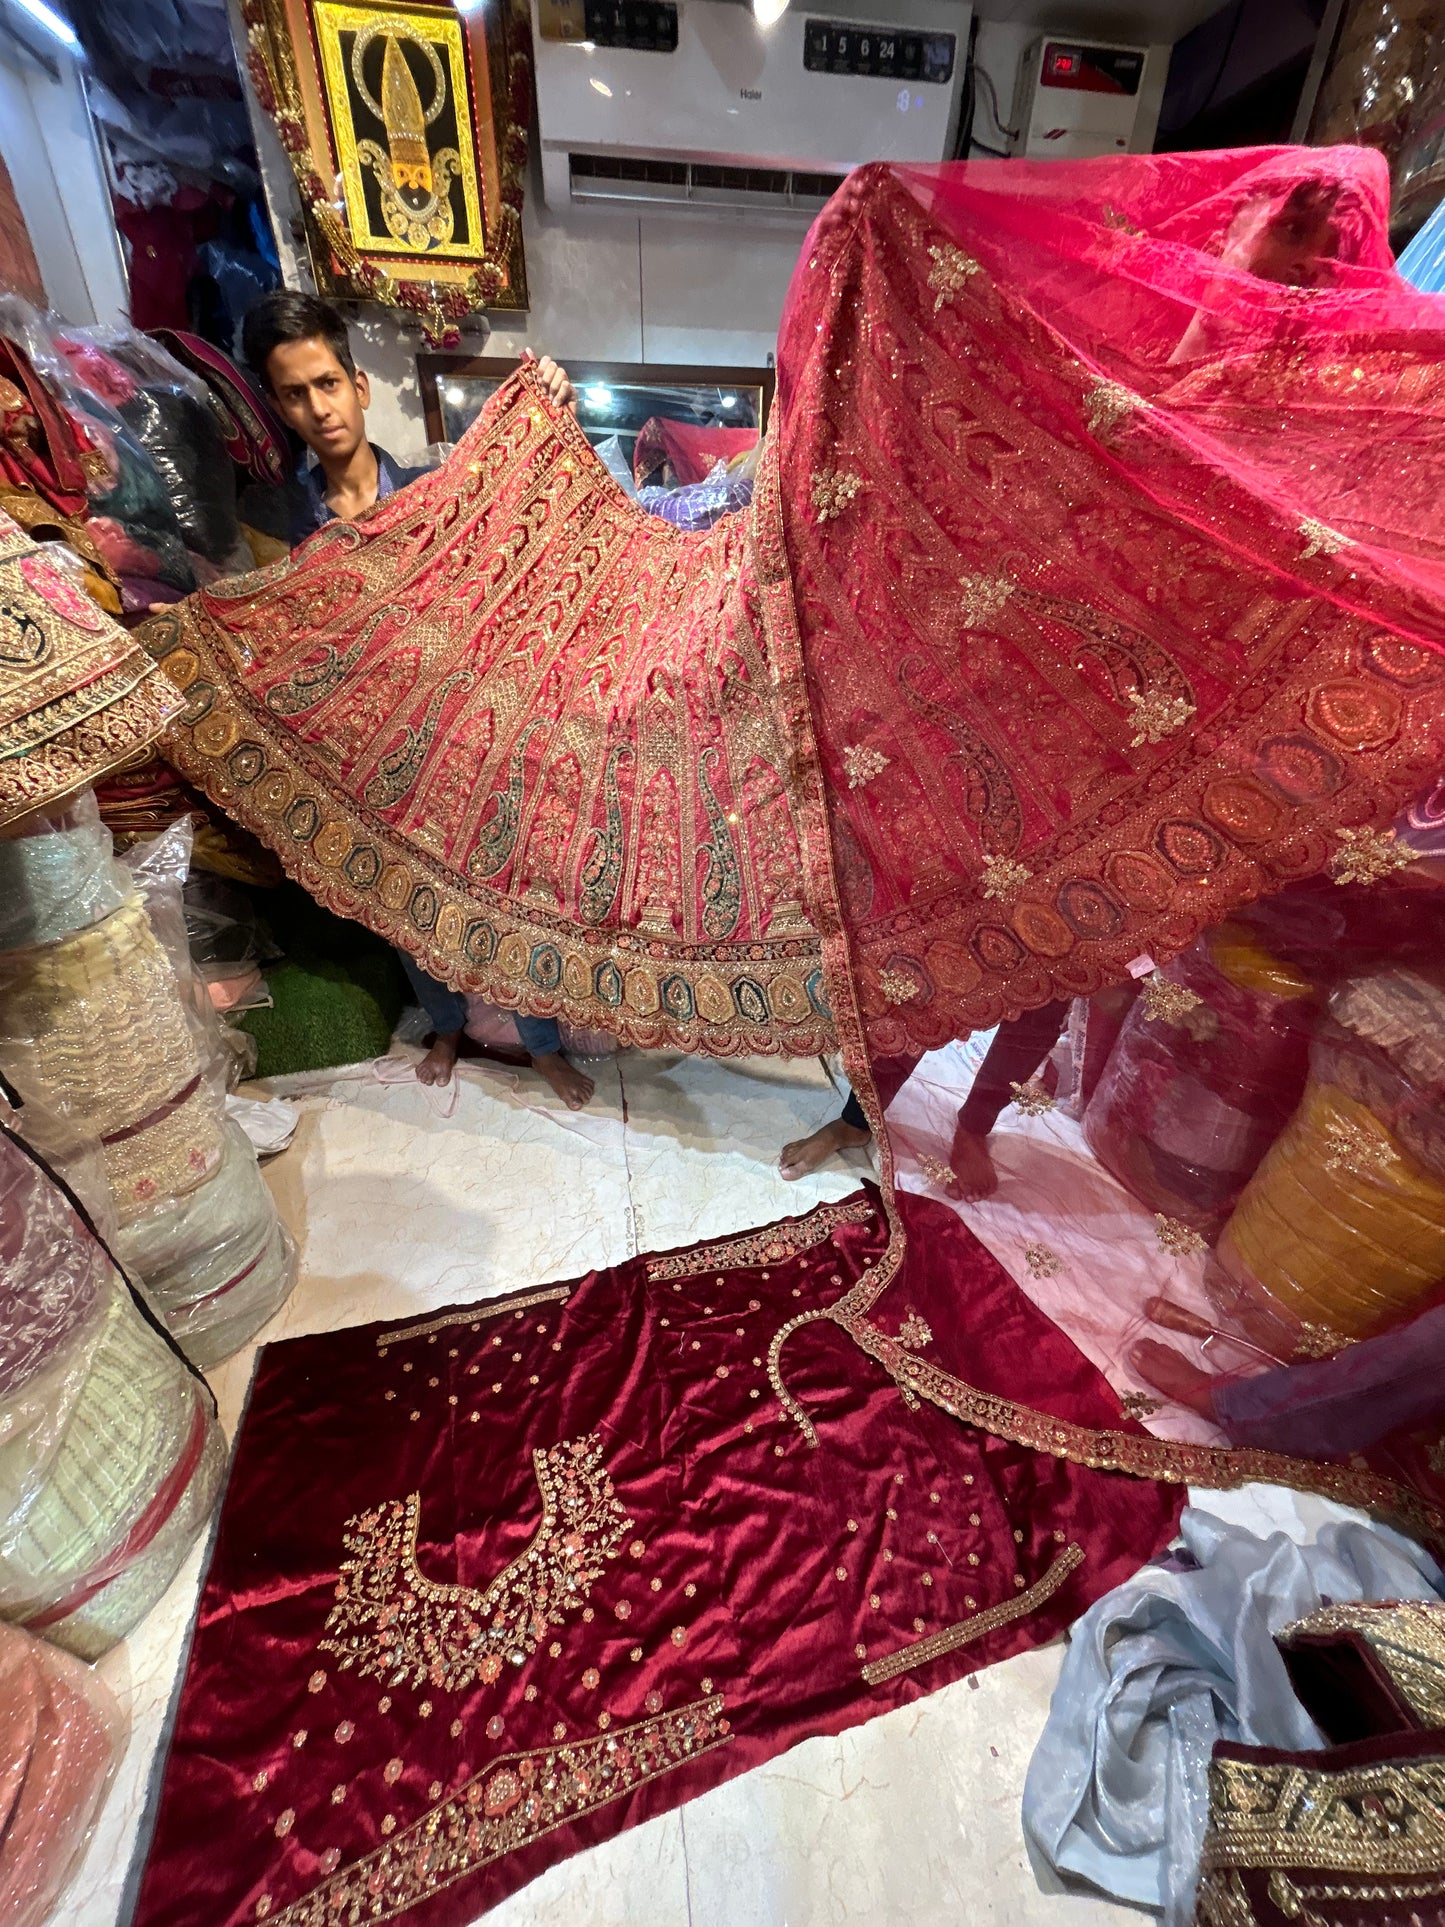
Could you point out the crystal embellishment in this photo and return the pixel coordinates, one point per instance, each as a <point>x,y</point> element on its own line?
<point>1369,855</point>
<point>862,764</point>
<point>952,270</point>
<point>833,490</point>
<point>1157,716</point>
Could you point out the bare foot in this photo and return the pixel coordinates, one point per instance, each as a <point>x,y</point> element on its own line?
<point>440,1061</point>
<point>574,1087</point>
<point>806,1154</point>
<point>972,1167</point>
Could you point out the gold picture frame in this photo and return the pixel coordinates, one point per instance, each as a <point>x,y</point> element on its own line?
<point>406,125</point>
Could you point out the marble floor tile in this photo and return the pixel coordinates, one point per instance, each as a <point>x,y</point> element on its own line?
<point>401,1202</point>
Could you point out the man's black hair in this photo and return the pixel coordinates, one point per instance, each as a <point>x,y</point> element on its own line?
<point>285,316</point>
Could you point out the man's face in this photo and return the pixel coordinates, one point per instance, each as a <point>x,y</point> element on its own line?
<point>317,398</point>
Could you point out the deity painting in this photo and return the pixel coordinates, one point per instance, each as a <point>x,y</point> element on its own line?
<point>397,90</point>
<point>406,127</point>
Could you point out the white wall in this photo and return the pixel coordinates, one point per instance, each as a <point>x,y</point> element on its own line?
<point>50,148</point>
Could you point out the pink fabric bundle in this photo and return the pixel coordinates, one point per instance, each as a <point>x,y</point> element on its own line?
<point>1208,1066</point>
<point>61,1736</point>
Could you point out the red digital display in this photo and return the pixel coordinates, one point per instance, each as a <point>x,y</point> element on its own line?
<point>1063,63</point>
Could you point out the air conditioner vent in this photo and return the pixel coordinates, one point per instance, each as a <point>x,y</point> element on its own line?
<point>618,178</point>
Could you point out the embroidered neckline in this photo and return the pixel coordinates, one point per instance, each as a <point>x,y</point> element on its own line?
<point>391,1622</point>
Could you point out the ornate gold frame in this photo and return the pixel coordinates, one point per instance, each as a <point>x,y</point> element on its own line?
<point>298,71</point>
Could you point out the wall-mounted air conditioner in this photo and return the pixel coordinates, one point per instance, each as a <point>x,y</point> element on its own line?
<point>690,105</point>
<point>1079,98</point>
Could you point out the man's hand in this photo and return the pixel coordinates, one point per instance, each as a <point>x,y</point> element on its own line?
<point>555,380</point>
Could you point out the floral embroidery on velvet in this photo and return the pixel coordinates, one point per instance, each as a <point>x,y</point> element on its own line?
<point>767,1247</point>
<point>391,1622</point>
<point>513,1800</point>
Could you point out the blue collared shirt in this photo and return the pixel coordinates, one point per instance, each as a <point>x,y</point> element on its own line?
<point>309,508</point>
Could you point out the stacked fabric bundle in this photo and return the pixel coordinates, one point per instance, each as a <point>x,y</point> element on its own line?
<point>97,1036</point>
<point>110,1455</point>
<point>61,1735</point>
<point>1341,1232</point>
<point>104,1035</point>
<point>1208,1066</point>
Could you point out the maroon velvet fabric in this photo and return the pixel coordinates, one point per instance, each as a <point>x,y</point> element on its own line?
<point>729,1614</point>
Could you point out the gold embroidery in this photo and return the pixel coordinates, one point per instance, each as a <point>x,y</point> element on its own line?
<point>391,1622</point>
<point>1180,1240</point>
<point>977,1625</point>
<point>914,1333</point>
<point>1168,1001</point>
<point>1139,1454</point>
<point>1002,876</point>
<point>833,490</point>
<point>1369,855</point>
<point>473,1314</point>
<point>1380,1820</point>
<point>514,1800</point>
<point>951,270</point>
<point>1042,1262</point>
<point>1355,1147</point>
<point>1407,1637</point>
<point>936,1171</point>
<point>1139,1405</point>
<point>983,597</point>
<point>897,986</point>
<point>1157,716</point>
<point>1320,539</point>
<point>1106,405</point>
<point>770,1246</point>
<point>1031,1098</point>
<point>862,763</point>
<point>1319,1341</point>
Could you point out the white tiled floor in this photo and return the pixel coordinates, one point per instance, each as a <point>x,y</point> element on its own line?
<point>910,1819</point>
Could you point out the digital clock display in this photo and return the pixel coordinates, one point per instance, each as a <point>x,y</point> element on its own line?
<point>644,26</point>
<point>843,47</point>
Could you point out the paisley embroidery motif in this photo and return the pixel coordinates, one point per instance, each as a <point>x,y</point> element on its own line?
<point>400,767</point>
<point>497,839</point>
<point>391,1622</point>
<point>313,683</point>
<point>722,886</point>
<point>602,871</point>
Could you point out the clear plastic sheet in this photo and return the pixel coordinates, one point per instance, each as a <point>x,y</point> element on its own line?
<point>1208,1065</point>
<point>129,517</point>
<point>217,1263</point>
<point>110,1454</point>
<point>61,1737</point>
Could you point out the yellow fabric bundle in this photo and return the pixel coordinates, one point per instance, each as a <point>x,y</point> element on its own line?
<point>1339,1227</point>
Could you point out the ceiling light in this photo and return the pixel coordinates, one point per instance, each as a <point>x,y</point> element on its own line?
<point>51,21</point>
<point>600,87</point>
<point>768,13</point>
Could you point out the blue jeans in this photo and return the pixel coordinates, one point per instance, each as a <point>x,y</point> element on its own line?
<point>447,1010</point>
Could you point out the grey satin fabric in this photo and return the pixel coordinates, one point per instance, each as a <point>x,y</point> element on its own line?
<point>1164,1666</point>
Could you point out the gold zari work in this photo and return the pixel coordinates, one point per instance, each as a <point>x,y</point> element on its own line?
<point>391,1622</point>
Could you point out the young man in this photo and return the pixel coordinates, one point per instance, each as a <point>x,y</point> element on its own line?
<point>299,347</point>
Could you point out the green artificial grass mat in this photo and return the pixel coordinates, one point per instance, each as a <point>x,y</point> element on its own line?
<point>338,989</point>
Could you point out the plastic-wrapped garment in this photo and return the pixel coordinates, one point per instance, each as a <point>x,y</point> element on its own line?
<point>216,1264</point>
<point>1208,1066</point>
<point>1423,262</point>
<point>255,439</point>
<point>172,413</point>
<point>701,504</point>
<point>129,513</point>
<point>610,453</point>
<point>59,875</point>
<point>110,1455</point>
<point>1384,50</point>
<point>1166,1664</point>
<point>1342,1230</point>
<point>61,1737</point>
<point>94,1030</point>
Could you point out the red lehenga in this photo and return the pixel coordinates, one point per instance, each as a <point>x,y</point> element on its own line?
<point>1092,588</point>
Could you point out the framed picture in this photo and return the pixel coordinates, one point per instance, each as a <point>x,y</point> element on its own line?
<point>406,126</point>
<point>614,398</point>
